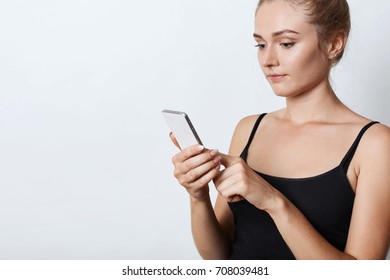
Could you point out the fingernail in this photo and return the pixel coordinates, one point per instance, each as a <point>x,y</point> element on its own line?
<point>199,148</point>
<point>213,152</point>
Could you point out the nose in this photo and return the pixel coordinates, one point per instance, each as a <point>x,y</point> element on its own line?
<point>268,57</point>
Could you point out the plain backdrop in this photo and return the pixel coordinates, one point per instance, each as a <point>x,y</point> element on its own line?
<point>85,157</point>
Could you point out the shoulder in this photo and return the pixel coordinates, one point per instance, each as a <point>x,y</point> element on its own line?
<point>379,132</point>
<point>246,124</point>
<point>376,141</point>
<point>373,153</point>
<point>241,134</point>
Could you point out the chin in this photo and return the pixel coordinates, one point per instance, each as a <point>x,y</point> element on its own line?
<point>284,93</point>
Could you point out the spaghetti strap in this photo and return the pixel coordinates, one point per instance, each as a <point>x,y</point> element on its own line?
<point>348,157</point>
<point>244,153</point>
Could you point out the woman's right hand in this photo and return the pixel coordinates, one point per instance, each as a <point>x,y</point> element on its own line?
<point>195,167</point>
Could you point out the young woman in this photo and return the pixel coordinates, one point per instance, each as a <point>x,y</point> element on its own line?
<point>310,181</point>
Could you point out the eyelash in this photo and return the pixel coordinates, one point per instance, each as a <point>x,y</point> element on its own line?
<point>288,45</point>
<point>260,46</point>
<point>284,45</point>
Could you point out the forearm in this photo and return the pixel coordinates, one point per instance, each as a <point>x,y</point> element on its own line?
<point>211,241</point>
<point>301,237</point>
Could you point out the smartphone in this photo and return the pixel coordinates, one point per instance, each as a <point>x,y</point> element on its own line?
<point>182,128</point>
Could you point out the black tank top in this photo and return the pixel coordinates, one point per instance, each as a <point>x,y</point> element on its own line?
<point>326,201</point>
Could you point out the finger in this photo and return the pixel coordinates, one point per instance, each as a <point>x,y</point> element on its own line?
<point>200,175</point>
<point>218,179</point>
<point>235,198</point>
<point>208,176</point>
<point>188,153</point>
<point>229,183</point>
<point>200,159</point>
<point>230,195</point>
<point>227,160</point>
<point>226,182</point>
<point>230,189</point>
<point>224,174</point>
<point>173,138</point>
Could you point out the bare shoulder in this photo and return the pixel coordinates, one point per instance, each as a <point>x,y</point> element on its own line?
<point>373,154</point>
<point>376,141</point>
<point>246,123</point>
<point>379,131</point>
<point>241,134</point>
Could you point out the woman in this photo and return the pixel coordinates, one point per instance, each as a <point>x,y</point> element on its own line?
<point>310,181</point>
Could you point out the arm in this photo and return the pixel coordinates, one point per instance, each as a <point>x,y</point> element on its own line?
<point>212,229</point>
<point>210,237</point>
<point>370,225</point>
<point>195,167</point>
<point>369,233</point>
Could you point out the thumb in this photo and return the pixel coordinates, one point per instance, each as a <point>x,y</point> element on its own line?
<point>173,138</point>
<point>227,160</point>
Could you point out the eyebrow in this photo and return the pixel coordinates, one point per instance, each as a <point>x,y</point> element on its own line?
<point>276,34</point>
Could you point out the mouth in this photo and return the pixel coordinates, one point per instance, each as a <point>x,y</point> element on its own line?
<point>276,77</point>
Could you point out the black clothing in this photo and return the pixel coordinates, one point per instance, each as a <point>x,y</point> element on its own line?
<point>326,200</point>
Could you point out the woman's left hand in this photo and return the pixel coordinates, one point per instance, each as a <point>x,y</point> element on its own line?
<point>238,181</point>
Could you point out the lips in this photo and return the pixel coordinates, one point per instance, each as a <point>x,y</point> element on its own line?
<point>276,77</point>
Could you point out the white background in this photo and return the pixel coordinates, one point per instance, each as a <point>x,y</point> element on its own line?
<point>85,158</point>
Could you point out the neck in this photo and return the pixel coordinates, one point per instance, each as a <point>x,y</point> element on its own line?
<point>317,105</point>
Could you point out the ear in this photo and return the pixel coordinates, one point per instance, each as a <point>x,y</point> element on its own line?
<point>337,44</point>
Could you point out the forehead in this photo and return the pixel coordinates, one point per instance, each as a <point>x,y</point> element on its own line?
<point>273,16</point>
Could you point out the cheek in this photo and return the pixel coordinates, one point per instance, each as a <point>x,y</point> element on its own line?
<point>307,62</point>
<point>260,59</point>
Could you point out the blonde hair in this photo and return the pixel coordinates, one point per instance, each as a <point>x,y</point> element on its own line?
<point>329,16</point>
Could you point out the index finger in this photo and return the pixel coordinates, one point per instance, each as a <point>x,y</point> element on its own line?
<point>188,153</point>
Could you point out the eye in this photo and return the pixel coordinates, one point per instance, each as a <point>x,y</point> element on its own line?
<point>287,45</point>
<point>260,46</point>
